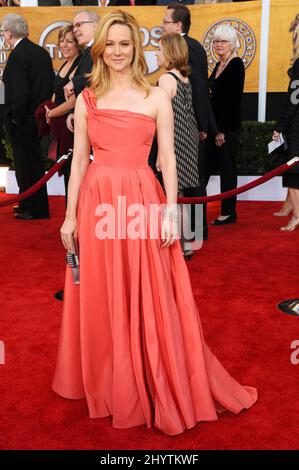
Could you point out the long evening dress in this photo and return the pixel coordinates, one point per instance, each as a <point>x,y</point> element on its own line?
<point>131,341</point>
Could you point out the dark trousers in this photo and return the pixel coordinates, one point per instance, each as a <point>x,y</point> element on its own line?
<point>29,167</point>
<point>223,159</point>
<point>203,186</point>
<point>198,191</point>
<point>66,175</point>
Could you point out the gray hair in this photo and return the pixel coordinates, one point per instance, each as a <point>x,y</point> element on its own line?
<point>227,32</point>
<point>92,15</point>
<point>16,25</point>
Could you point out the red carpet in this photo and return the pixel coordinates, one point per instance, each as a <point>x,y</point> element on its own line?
<point>239,276</point>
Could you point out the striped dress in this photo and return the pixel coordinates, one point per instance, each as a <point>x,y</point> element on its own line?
<point>186,136</point>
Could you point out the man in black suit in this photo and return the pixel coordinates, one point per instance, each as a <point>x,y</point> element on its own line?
<point>177,19</point>
<point>84,25</point>
<point>28,79</point>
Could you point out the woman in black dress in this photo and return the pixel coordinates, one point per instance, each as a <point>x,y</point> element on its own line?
<point>56,116</point>
<point>288,124</point>
<point>226,85</point>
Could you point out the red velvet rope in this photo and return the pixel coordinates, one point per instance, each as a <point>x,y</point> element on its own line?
<point>36,185</point>
<point>217,197</point>
<point>185,200</point>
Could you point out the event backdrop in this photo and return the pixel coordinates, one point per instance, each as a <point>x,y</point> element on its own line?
<point>282,15</point>
<point>245,16</point>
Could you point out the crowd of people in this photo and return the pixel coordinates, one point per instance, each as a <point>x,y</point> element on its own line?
<point>103,3</point>
<point>207,113</point>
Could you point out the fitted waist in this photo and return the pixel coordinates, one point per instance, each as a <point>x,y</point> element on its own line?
<point>118,160</point>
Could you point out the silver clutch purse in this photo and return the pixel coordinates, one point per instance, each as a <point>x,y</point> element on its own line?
<point>72,260</point>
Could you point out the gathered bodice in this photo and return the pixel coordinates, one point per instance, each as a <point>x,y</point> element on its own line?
<point>119,138</point>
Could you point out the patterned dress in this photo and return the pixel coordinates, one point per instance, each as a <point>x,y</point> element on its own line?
<point>186,136</point>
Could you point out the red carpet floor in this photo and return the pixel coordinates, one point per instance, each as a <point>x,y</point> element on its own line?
<point>239,276</point>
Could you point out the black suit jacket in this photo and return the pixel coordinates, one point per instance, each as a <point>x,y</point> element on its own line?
<point>85,66</point>
<point>113,3</point>
<point>200,86</point>
<point>28,79</point>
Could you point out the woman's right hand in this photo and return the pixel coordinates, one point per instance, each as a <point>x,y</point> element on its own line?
<point>68,231</point>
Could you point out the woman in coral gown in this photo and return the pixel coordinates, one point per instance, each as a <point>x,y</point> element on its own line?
<point>131,341</point>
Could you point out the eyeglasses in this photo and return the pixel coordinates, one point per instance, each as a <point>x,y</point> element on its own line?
<point>166,22</point>
<point>220,41</point>
<point>79,23</point>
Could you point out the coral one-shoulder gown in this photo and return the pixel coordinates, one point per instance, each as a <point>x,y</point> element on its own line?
<point>131,341</point>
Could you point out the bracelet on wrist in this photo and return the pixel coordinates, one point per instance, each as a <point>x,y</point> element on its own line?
<point>172,212</point>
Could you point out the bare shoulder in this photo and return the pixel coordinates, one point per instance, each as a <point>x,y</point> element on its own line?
<point>159,96</point>
<point>80,113</point>
<point>80,103</point>
<point>166,78</point>
<point>162,103</point>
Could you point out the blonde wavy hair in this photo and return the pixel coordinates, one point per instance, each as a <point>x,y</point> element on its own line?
<point>99,79</point>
